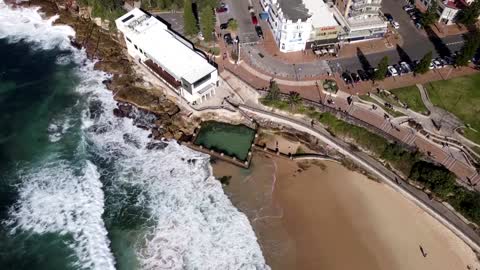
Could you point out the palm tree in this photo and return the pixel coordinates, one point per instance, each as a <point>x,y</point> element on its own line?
<point>294,99</point>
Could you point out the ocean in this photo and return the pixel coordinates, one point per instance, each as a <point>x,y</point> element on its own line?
<point>82,189</point>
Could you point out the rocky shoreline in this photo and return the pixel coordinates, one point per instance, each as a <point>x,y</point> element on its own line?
<point>165,119</point>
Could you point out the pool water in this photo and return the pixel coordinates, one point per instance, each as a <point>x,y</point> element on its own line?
<point>232,140</point>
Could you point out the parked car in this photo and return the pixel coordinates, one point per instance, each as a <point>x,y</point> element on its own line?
<point>437,63</point>
<point>259,31</point>
<point>432,66</point>
<point>224,25</point>
<point>398,68</point>
<point>346,78</point>
<point>395,24</point>
<point>363,75</point>
<point>408,7</point>
<point>355,77</point>
<point>405,67</point>
<point>254,20</point>
<point>388,16</point>
<point>392,71</point>
<point>418,25</point>
<point>228,38</point>
<point>221,9</point>
<point>449,60</point>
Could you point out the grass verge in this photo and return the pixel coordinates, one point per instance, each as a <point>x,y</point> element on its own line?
<point>410,95</point>
<point>461,97</point>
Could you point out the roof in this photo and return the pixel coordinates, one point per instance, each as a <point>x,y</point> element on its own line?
<point>456,4</point>
<point>294,10</point>
<point>321,15</point>
<point>163,46</point>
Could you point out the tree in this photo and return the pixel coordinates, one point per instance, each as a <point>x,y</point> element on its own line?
<point>207,23</point>
<point>429,17</point>
<point>294,99</point>
<point>233,25</point>
<point>424,64</point>
<point>189,22</point>
<point>381,71</point>
<point>469,15</point>
<point>469,49</point>
<point>273,92</point>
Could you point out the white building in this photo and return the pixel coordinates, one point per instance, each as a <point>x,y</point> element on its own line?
<point>361,19</point>
<point>169,56</point>
<point>290,23</point>
<point>325,28</point>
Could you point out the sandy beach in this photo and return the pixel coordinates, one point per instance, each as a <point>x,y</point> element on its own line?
<point>319,215</point>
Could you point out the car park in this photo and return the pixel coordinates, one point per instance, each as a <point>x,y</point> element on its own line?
<point>395,24</point>
<point>392,71</point>
<point>259,31</point>
<point>228,38</point>
<point>363,75</point>
<point>355,77</point>
<point>346,78</point>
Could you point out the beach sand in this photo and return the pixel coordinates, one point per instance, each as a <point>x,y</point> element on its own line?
<point>327,217</point>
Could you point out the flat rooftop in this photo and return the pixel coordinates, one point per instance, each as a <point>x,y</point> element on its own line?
<point>321,15</point>
<point>163,46</point>
<point>294,10</point>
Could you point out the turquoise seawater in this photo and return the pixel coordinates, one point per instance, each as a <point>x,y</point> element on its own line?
<point>82,189</point>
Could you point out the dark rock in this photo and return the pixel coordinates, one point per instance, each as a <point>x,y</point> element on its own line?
<point>156,145</point>
<point>118,113</point>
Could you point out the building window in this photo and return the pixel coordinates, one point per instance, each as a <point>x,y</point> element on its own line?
<point>135,46</point>
<point>141,51</point>
<point>128,39</point>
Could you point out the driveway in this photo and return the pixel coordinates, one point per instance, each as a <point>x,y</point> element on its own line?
<point>238,9</point>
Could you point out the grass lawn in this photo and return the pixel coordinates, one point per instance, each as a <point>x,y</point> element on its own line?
<point>390,111</point>
<point>460,96</point>
<point>410,95</point>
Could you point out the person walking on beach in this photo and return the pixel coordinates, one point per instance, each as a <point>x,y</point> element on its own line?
<point>424,254</point>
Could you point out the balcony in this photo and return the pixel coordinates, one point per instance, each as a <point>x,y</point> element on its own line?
<point>160,72</point>
<point>364,4</point>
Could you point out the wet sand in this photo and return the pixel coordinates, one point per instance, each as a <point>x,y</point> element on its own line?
<point>327,217</point>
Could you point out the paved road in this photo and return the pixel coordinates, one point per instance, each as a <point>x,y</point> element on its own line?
<point>434,208</point>
<point>238,9</point>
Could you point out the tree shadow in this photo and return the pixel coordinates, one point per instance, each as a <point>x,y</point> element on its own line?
<point>363,60</point>
<point>437,42</point>
<point>403,55</point>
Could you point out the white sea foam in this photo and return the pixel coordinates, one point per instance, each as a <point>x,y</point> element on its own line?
<point>196,226</point>
<point>58,196</point>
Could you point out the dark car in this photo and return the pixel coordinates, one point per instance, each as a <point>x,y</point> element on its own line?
<point>355,77</point>
<point>399,69</point>
<point>224,26</point>
<point>346,78</point>
<point>363,75</point>
<point>228,38</point>
<point>259,31</point>
<point>389,17</point>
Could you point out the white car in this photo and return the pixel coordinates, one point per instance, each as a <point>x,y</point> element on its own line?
<point>432,66</point>
<point>437,64</point>
<point>392,71</point>
<point>395,25</point>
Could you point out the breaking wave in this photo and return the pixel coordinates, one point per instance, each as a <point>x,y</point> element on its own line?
<point>190,222</point>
